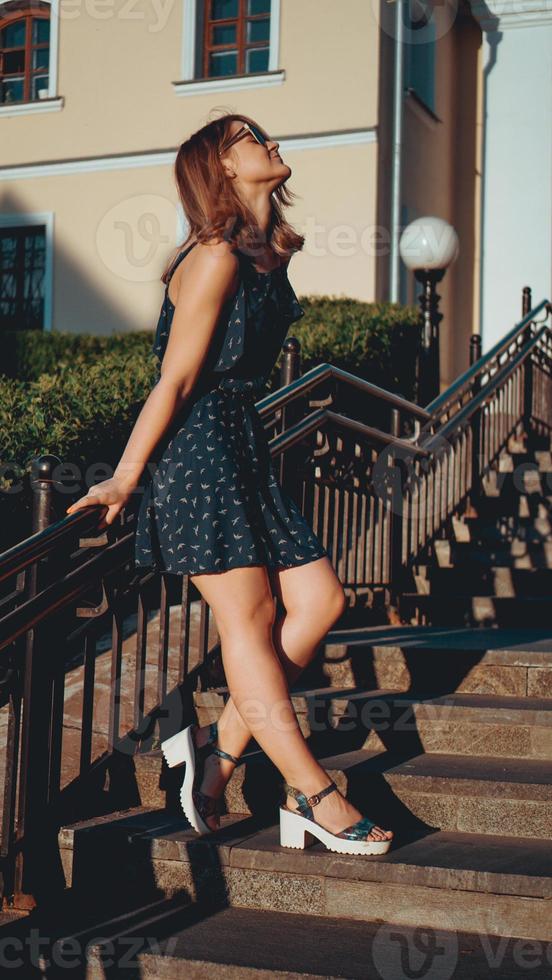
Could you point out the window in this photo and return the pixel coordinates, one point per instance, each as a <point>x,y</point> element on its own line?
<point>24,51</point>
<point>419,49</point>
<point>229,45</point>
<point>22,277</point>
<point>233,37</point>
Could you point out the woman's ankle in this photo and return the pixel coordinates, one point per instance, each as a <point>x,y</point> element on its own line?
<point>311,785</point>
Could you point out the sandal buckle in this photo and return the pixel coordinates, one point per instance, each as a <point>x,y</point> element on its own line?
<point>313,800</point>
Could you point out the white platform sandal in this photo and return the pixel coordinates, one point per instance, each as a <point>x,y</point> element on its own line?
<point>181,749</point>
<point>298,828</point>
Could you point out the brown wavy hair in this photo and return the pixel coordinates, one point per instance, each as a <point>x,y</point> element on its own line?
<point>212,207</point>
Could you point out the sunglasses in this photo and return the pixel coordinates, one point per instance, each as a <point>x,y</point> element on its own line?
<point>245,129</point>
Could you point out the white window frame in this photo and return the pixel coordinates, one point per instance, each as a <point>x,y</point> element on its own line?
<point>45,218</point>
<point>54,102</point>
<point>190,85</point>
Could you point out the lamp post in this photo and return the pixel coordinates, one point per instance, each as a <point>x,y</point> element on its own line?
<point>428,246</point>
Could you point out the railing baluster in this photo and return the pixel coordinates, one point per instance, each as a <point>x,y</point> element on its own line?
<point>163,646</point>
<point>185,614</point>
<point>88,700</point>
<point>115,679</point>
<point>140,660</point>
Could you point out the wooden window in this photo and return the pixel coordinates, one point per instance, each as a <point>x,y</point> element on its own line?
<point>24,51</point>
<point>236,37</point>
<point>22,277</point>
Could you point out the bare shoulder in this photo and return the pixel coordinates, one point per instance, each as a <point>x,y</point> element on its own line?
<point>210,267</point>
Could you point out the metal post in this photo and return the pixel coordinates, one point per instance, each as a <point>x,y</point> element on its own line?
<point>290,474</point>
<point>290,368</point>
<point>526,306</point>
<point>431,318</point>
<point>475,348</point>
<point>31,824</point>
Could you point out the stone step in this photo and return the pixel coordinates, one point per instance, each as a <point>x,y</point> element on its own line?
<point>516,506</point>
<point>442,791</point>
<point>200,943</point>
<point>342,720</point>
<point>516,458</point>
<point>433,661</point>
<point>474,610</point>
<point>530,530</point>
<point>542,458</point>
<point>500,580</point>
<point>516,554</point>
<point>490,885</point>
<point>526,480</point>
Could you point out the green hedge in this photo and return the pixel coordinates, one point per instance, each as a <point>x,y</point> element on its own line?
<point>26,354</point>
<point>78,396</point>
<point>376,341</point>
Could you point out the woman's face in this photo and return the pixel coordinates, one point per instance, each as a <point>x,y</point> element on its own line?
<point>254,163</point>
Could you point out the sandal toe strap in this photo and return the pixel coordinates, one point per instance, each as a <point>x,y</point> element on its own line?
<point>207,806</point>
<point>358,830</point>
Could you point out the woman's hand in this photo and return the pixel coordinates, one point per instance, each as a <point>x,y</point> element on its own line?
<point>114,492</point>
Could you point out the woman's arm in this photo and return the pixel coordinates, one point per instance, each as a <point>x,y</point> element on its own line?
<point>207,282</point>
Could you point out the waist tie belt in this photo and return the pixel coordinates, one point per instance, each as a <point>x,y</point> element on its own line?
<point>247,387</point>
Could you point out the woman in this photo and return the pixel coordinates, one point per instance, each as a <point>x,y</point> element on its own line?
<point>214,508</point>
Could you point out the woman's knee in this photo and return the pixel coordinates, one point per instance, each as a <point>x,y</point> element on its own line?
<point>325,607</point>
<point>253,613</point>
<point>333,603</point>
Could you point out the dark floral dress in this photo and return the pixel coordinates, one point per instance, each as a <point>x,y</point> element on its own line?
<point>211,499</point>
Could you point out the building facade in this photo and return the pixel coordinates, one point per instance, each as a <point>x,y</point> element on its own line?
<point>95,98</point>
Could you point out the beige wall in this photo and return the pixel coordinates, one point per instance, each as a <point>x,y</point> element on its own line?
<point>113,228</point>
<point>116,74</point>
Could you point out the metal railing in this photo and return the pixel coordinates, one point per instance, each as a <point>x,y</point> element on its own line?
<point>80,619</point>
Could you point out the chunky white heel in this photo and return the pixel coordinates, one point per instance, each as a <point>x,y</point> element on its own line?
<point>181,748</point>
<point>178,748</point>
<point>298,828</point>
<point>294,831</point>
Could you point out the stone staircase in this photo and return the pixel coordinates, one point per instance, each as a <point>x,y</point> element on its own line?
<point>440,729</point>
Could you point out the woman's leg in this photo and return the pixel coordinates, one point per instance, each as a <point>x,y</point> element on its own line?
<point>296,635</point>
<point>243,607</point>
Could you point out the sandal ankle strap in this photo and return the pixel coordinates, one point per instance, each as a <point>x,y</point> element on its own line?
<point>226,755</point>
<point>304,803</point>
<point>213,737</point>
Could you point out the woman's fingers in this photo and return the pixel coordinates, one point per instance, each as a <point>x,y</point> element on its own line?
<point>84,502</point>
<point>112,513</point>
<point>109,492</point>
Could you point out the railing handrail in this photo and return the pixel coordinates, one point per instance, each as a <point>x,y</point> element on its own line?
<point>464,379</point>
<point>61,593</point>
<point>321,416</point>
<point>321,372</point>
<point>476,400</point>
<point>45,542</point>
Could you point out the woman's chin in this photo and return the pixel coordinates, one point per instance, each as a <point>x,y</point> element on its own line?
<point>285,171</point>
